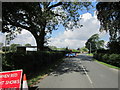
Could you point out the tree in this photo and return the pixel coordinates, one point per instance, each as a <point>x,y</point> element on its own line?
<point>109,17</point>
<point>40,18</point>
<point>114,47</point>
<point>27,44</point>
<point>94,43</point>
<point>84,49</point>
<point>108,13</point>
<point>13,47</point>
<point>53,47</point>
<point>1,45</point>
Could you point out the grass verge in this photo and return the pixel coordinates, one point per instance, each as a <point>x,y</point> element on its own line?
<point>42,74</point>
<point>90,54</point>
<point>111,66</point>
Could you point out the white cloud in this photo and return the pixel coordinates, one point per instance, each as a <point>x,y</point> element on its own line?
<point>24,38</point>
<point>2,38</point>
<point>72,39</point>
<point>78,37</point>
<point>86,16</point>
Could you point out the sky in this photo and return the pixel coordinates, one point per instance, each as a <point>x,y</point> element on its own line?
<point>71,39</point>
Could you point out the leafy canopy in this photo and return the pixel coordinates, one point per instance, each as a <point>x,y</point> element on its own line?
<point>108,13</point>
<point>94,43</point>
<point>109,16</point>
<point>40,18</point>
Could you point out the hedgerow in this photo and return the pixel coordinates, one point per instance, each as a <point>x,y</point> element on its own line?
<point>30,62</point>
<point>113,59</point>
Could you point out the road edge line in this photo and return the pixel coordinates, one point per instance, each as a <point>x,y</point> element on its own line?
<point>88,76</point>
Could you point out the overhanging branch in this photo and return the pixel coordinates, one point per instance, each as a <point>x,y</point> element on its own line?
<point>17,24</point>
<point>55,5</point>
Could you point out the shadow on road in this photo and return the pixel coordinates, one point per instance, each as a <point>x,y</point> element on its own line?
<point>71,65</point>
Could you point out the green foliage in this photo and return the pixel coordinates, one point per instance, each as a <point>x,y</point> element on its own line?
<point>74,50</point>
<point>13,47</point>
<point>53,47</point>
<point>113,59</point>
<point>105,56</point>
<point>108,13</point>
<point>1,45</point>
<point>109,17</point>
<point>114,47</point>
<point>83,49</point>
<point>61,49</point>
<point>30,62</point>
<point>90,54</point>
<point>102,50</point>
<point>40,18</point>
<point>108,65</point>
<point>94,43</point>
<point>7,48</point>
<point>27,44</point>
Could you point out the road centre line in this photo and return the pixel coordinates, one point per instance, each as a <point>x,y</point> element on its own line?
<point>87,76</point>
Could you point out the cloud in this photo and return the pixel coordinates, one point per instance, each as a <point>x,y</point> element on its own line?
<point>78,37</point>
<point>24,38</point>
<point>72,39</point>
<point>2,38</point>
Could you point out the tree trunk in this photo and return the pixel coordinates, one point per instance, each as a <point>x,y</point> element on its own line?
<point>40,39</point>
<point>40,43</point>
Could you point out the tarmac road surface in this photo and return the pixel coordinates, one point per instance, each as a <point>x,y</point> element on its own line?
<point>81,72</point>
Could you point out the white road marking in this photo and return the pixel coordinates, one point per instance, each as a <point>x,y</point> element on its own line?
<point>88,76</point>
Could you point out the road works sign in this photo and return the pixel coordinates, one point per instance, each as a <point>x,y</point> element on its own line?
<point>11,79</point>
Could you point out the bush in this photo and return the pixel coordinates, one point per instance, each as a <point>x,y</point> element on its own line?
<point>114,47</point>
<point>102,51</point>
<point>105,58</point>
<point>30,62</point>
<point>113,59</point>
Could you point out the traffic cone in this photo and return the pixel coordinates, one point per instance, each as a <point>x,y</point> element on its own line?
<point>25,85</point>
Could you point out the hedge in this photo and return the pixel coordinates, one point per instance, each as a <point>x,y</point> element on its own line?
<point>113,59</point>
<point>31,61</point>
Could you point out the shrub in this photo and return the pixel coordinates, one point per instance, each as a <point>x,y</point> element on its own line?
<point>113,59</point>
<point>105,58</point>
<point>31,61</point>
<point>102,51</point>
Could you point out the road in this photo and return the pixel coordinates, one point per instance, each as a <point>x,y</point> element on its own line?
<point>81,72</point>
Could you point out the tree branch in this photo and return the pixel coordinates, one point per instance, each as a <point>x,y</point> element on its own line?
<point>55,5</point>
<point>17,24</point>
<point>48,4</point>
